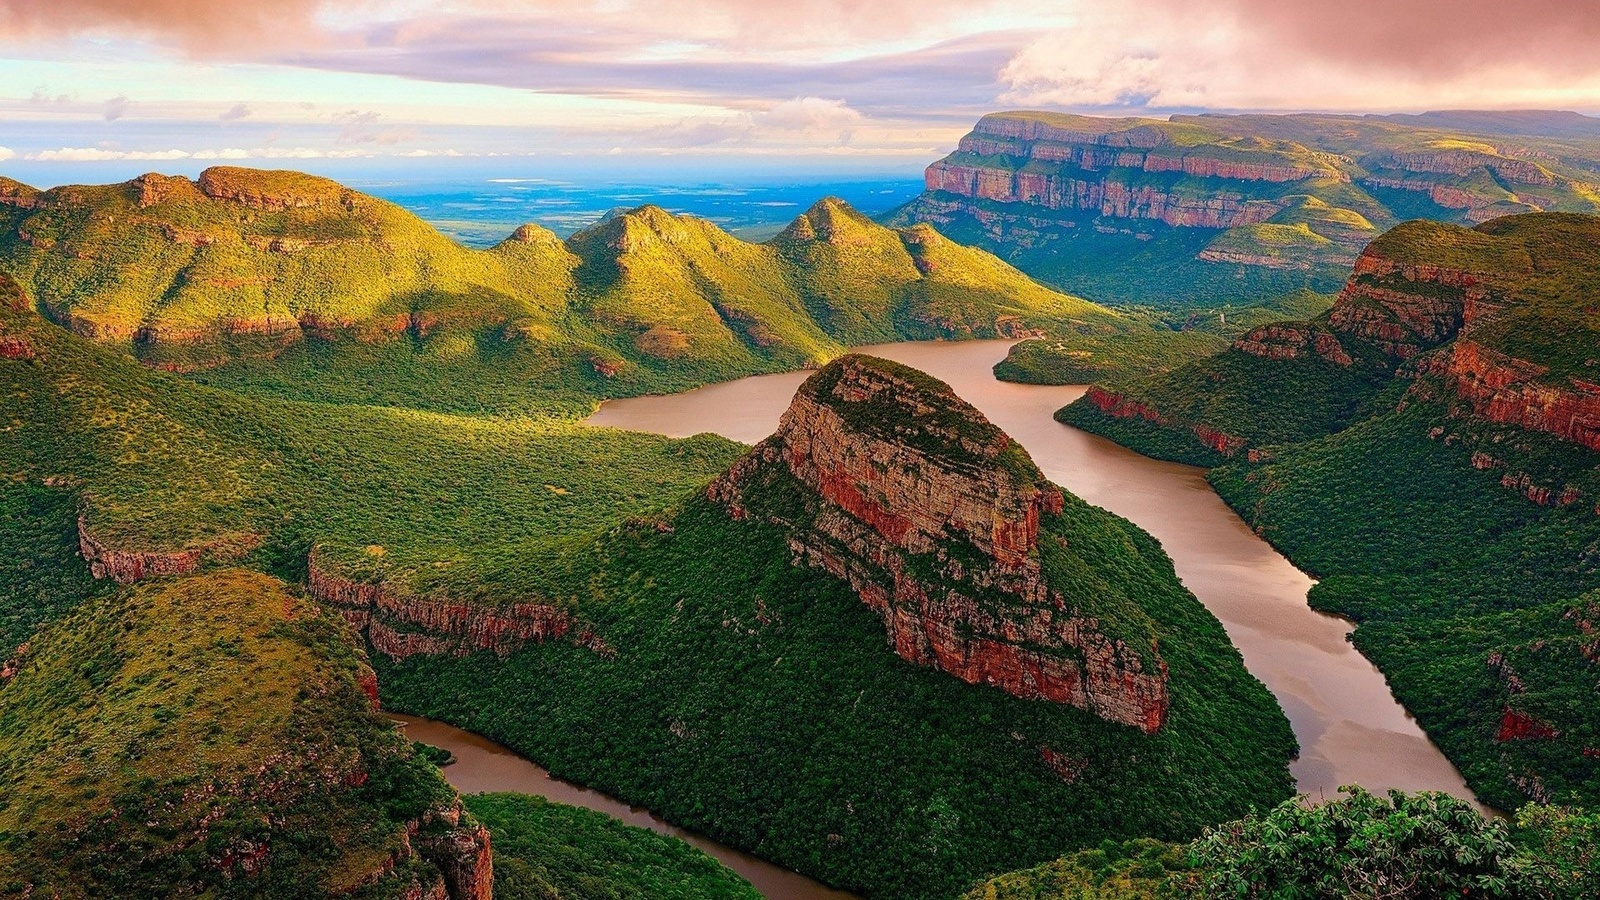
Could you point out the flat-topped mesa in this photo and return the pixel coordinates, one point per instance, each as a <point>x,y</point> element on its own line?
<point>934,517</point>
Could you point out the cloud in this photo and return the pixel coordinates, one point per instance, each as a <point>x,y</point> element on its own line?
<point>202,27</point>
<point>106,154</point>
<point>7,153</point>
<point>100,154</point>
<point>116,108</point>
<point>810,114</point>
<point>235,113</point>
<point>1363,55</point>
<point>362,127</point>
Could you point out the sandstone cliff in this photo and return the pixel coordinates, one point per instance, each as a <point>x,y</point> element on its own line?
<point>401,625</point>
<point>940,523</point>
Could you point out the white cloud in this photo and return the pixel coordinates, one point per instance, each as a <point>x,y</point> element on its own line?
<point>810,114</point>
<point>7,153</point>
<point>100,154</point>
<point>97,154</point>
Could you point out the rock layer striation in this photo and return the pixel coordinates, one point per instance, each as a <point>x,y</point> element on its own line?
<point>935,518</point>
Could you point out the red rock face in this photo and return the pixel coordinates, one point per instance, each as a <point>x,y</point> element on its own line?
<point>1079,192</point>
<point>400,626</point>
<point>128,566</point>
<point>462,853</point>
<point>887,513</point>
<point>1504,389</point>
<point>1068,170</point>
<point>1286,340</point>
<point>1123,407</point>
<point>1518,726</point>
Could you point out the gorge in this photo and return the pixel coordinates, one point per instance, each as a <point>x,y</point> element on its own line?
<point>1350,727</point>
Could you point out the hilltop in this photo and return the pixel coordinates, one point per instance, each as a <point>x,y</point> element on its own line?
<point>215,736</point>
<point>1428,447</point>
<point>294,285</point>
<point>1208,208</point>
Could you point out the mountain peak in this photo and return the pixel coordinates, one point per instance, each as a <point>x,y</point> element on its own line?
<point>941,524</point>
<point>831,221</point>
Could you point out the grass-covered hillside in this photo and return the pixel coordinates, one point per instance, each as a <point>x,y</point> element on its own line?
<point>290,284</point>
<point>1122,356</point>
<point>209,736</point>
<point>1427,449</point>
<point>728,689</point>
<point>1206,209</point>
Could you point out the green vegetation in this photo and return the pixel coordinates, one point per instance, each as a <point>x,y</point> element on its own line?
<point>1409,847</point>
<point>754,701</point>
<point>546,851</point>
<point>433,501</point>
<point>1168,343</point>
<point>774,736</point>
<point>1258,204</point>
<point>1403,846</point>
<point>1084,359</point>
<point>282,284</point>
<point>167,739</point>
<point>1411,506</point>
<point>1140,869</point>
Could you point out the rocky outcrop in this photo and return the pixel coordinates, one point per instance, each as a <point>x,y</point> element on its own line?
<point>259,189</point>
<point>127,566</point>
<point>16,194</point>
<point>1099,195</point>
<point>460,847</point>
<point>152,189</point>
<point>1121,406</point>
<point>401,625</point>
<point>1404,308</point>
<point>1122,169</point>
<point>935,518</point>
<point>1520,726</point>
<point>1291,340</point>
<point>1511,391</point>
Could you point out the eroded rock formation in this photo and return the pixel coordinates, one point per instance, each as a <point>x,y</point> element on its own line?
<point>401,625</point>
<point>935,518</point>
<point>126,566</point>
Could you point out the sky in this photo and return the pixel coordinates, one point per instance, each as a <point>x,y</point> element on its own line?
<point>754,86</point>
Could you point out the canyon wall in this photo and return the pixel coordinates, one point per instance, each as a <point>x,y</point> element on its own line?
<point>934,518</point>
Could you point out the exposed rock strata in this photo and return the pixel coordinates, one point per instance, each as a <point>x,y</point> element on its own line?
<point>401,625</point>
<point>1121,406</point>
<point>127,566</point>
<point>934,518</point>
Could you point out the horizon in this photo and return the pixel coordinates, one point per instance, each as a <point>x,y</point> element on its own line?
<point>619,89</point>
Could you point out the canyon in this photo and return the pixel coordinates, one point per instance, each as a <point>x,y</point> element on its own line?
<point>1063,196</point>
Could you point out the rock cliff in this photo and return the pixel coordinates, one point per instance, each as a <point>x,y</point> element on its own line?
<point>401,625</point>
<point>125,566</point>
<point>936,520</point>
<point>1025,181</point>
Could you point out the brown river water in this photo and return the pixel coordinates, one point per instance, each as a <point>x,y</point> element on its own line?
<point>1351,728</point>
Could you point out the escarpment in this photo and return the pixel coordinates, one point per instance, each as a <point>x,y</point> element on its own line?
<point>400,624</point>
<point>943,526</point>
<point>1281,193</point>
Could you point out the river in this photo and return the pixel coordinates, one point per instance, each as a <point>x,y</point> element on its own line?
<point>482,766</point>
<point>1351,728</point>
